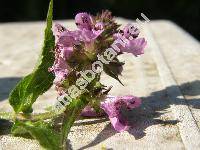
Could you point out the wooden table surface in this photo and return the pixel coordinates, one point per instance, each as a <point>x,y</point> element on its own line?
<point>166,77</point>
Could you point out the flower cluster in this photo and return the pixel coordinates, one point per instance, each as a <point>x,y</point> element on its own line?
<point>66,40</point>
<point>77,50</point>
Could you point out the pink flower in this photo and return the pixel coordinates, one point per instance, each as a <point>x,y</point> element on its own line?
<point>57,30</point>
<point>98,28</point>
<point>133,44</point>
<point>65,43</point>
<point>65,40</point>
<point>88,112</point>
<point>136,46</point>
<point>68,38</point>
<point>60,69</point>
<point>112,106</point>
<point>90,35</point>
<point>88,30</point>
<point>83,21</point>
<point>130,31</point>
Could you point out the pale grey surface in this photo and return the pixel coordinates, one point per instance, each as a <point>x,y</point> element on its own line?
<point>166,77</point>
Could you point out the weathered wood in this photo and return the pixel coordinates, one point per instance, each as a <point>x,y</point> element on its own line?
<point>188,126</point>
<point>166,77</point>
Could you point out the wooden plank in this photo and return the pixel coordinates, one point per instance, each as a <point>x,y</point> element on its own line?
<point>149,76</point>
<point>188,126</point>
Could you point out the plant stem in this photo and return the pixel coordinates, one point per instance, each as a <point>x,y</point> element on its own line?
<point>70,115</point>
<point>27,117</point>
<point>7,116</point>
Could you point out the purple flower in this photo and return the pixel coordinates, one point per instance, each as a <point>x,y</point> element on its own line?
<point>112,106</point>
<point>98,28</point>
<point>83,21</point>
<point>64,41</point>
<point>136,46</point>
<point>60,68</point>
<point>57,30</point>
<point>133,44</point>
<point>68,38</point>
<point>88,112</point>
<point>131,31</point>
<point>88,30</point>
<point>90,35</point>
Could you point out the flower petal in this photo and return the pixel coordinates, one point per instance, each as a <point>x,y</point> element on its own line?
<point>88,112</point>
<point>131,101</point>
<point>118,126</point>
<point>90,35</point>
<point>113,105</point>
<point>58,29</point>
<point>109,106</point>
<point>136,46</point>
<point>132,44</point>
<point>98,28</point>
<point>60,69</point>
<point>131,31</point>
<point>83,21</point>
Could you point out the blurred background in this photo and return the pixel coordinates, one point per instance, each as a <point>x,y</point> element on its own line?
<point>186,13</point>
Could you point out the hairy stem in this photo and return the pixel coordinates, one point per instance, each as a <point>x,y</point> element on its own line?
<point>27,117</point>
<point>7,116</point>
<point>70,115</point>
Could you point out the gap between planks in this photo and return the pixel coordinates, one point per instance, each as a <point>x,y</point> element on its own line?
<point>188,128</point>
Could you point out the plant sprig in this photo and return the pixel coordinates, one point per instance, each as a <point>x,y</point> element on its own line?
<point>65,54</point>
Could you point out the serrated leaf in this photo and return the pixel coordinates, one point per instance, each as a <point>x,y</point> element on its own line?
<point>46,136</point>
<point>40,80</point>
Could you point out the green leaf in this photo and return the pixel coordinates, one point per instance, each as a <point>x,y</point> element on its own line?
<point>109,70</point>
<point>46,136</point>
<point>40,80</point>
<point>18,130</point>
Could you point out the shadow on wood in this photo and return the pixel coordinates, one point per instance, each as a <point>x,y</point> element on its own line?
<point>140,118</point>
<point>6,85</point>
<point>152,108</point>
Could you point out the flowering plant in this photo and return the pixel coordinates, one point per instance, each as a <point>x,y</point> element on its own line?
<point>73,62</point>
